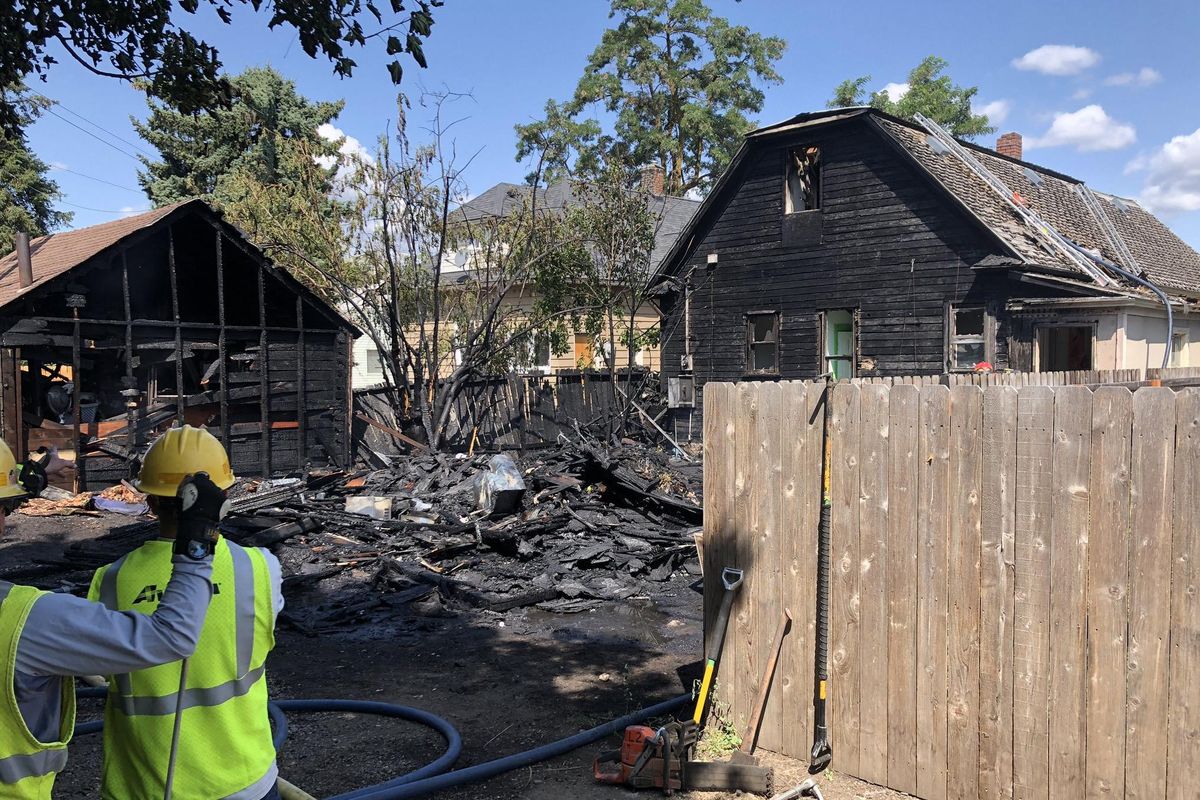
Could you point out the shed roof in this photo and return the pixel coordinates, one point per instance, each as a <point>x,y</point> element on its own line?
<point>57,254</point>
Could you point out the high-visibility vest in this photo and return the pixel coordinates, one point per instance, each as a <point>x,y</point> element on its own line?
<point>225,749</point>
<point>27,766</point>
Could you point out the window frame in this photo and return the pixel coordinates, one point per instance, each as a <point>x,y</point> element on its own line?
<point>749,319</point>
<point>988,336</point>
<point>372,366</point>
<point>1181,336</point>
<point>823,358</point>
<point>787,173</point>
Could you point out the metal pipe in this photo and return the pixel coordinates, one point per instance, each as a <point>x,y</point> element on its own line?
<point>24,260</point>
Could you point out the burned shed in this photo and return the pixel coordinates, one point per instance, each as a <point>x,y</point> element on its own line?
<point>113,332</point>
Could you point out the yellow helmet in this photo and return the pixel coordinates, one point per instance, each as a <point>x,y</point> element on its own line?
<point>10,474</point>
<point>181,452</point>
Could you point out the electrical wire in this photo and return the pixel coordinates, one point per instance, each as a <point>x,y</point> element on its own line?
<point>103,210</point>
<point>125,153</point>
<point>94,178</point>
<point>98,126</point>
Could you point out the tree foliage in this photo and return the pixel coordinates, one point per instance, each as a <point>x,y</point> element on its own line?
<point>260,161</point>
<point>677,83</point>
<point>930,92</point>
<point>27,193</point>
<point>149,40</point>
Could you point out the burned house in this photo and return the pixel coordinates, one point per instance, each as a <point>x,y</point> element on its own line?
<point>855,242</point>
<point>111,333</point>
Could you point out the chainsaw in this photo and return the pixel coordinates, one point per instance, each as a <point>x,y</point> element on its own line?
<point>660,759</point>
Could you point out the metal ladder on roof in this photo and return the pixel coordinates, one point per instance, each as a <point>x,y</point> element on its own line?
<point>1107,228</point>
<point>1042,230</point>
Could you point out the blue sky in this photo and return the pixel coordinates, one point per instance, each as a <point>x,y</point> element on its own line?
<point>1108,92</point>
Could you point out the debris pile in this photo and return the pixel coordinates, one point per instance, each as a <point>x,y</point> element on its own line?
<point>564,529</point>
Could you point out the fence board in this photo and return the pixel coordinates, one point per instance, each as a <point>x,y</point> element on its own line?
<point>720,458</point>
<point>1108,562</point>
<point>790,696</point>
<point>767,558</point>
<point>1150,593</point>
<point>1183,733</point>
<point>999,476</point>
<point>844,653</point>
<point>872,518</point>
<point>1068,562</point>
<point>965,542</point>
<point>732,688</point>
<point>932,589</point>
<point>1035,418</point>
<point>902,588</point>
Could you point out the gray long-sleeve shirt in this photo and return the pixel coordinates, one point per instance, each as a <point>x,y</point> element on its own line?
<point>66,636</point>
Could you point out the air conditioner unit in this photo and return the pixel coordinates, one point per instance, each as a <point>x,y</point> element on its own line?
<point>681,392</point>
<point>687,363</point>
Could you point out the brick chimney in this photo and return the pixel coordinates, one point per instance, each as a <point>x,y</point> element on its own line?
<point>653,178</point>
<point>1009,145</point>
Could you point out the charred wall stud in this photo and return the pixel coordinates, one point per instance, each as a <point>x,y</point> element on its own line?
<point>178,332</point>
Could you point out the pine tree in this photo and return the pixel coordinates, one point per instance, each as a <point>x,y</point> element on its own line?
<point>679,82</point>
<point>27,193</point>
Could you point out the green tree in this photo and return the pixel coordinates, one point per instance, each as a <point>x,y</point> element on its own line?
<point>677,82</point>
<point>930,92</point>
<point>27,193</point>
<point>148,40</point>
<point>260,160</point>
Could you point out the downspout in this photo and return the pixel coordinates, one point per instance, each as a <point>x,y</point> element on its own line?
<point>1162,296</point>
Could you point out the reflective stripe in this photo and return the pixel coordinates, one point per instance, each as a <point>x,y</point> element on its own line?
<point>5,588</point>
<point>243,591</point>
<point>258,789</point>
<point>192,698</point>
<point>46,762</point>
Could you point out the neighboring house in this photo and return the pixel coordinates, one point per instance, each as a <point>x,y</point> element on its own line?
<point>172,315</point>
<point>582,350</point>
<point>853,241</point>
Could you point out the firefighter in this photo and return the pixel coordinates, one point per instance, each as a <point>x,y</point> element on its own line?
<point>224,748</point>
<point>47,638</point>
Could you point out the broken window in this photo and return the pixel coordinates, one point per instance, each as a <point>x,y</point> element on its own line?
<point>803,180</point>
<point>373,366</point>
<point>967,340</point>
<point>1064,347</point>
<point>838,343</point>
<point>762,341</point>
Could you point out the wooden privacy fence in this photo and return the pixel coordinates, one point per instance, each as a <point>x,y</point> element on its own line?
<point>1015,590</point>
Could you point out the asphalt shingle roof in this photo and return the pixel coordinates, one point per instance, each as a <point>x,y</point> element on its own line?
<point>57,253</point>
<point>673,213</point>
<point>1057,198</point>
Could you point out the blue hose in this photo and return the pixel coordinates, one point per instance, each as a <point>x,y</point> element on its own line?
<point>433,776</point>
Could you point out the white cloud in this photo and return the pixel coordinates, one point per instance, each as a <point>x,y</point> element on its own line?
<point>1146,76</point>
<point>1081,94</point>
<point>996,111</point>
<point>58,165</point>
<point>350,148</point>
<point>895,91</point>
<point>129,211</point>
<point>1058,59</point>
<point>1089,128</point>
<point>1172,175</point>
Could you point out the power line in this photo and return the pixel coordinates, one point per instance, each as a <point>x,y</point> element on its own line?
<point>125,153</point>
<point>97,125</point>
<point>101,210</point>
<point>98,180</point>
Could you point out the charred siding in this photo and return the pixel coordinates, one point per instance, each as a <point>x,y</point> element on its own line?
<point>888,243</point>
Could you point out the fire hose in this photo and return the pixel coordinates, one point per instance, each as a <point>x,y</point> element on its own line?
<point>434,776</point>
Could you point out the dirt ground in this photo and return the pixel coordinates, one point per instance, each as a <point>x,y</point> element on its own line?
<point>508,682</point>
